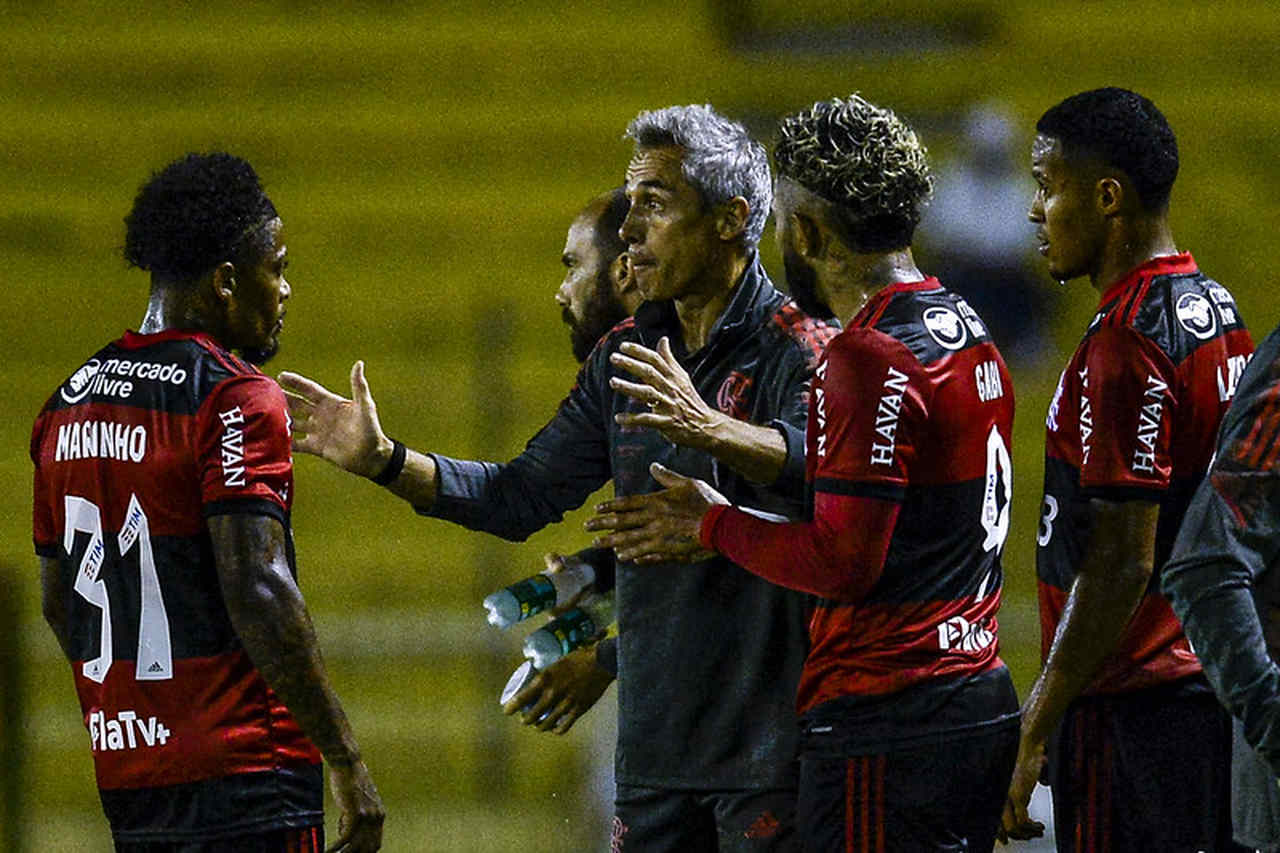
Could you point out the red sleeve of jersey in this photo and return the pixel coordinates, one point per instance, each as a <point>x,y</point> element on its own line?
<point>869,395</point>
<point>243,444</point>
<point>1128,394</point>
<point>43,526</point>
<point>868,400</point>
<point>839,555</point>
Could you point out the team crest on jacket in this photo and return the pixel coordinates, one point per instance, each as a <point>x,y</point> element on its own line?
<point>732,396</point>
<point>1195,314</point>
<point>944,327</point>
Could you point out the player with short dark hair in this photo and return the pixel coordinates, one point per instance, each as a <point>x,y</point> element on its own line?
<point>163,486</point>
<point>706,742</point>
<point>1123,129</point>
<point>908,716</point>
<point>1137,746</point>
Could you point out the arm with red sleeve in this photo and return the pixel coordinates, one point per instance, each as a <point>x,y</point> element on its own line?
<point>868,405</point>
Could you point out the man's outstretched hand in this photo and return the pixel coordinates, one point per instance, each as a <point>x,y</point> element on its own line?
<point>345,432</point>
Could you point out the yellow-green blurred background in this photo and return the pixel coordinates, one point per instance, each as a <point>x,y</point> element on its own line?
<point>427,159</point>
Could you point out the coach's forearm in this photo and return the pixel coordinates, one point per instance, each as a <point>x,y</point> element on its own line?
<point>418,482</point>
<point>758,453</point>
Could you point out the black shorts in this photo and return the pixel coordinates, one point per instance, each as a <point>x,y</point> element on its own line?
<point>660,820</point>
<point>935,796</point>
<point>308,839</point>
<point>1149,770</point>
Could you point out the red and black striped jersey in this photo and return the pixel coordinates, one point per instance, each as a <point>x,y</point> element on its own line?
<point>148,438</point>
<point>908,464</point>
<point>1134,417</point>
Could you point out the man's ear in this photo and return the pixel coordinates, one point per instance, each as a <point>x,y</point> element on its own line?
<point>620,274</point>
<point>810,242</point>
<point>1111,195</point>
<point>623,280</point>
<point>732,221</point>
<point>223,281</point>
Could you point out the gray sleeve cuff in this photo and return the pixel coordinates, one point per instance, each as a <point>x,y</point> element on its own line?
<point>607,655</point>
<point>791,479</point>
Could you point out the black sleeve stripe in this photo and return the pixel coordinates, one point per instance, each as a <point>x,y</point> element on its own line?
<point>248,506</point>
<point>52,551</point>
<point>880,491</point>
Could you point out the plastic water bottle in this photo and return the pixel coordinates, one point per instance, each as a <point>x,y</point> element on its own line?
<point>535,594</point>
<point>574,628</point>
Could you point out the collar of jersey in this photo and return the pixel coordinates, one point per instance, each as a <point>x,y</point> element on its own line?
<point>882,296</point>
<point>1180,263</point>
<point>136,340</point>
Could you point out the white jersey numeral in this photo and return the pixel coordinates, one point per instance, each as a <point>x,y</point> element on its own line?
<point>997,490</point>
<point>1045,533</point>
<point>155,648</point>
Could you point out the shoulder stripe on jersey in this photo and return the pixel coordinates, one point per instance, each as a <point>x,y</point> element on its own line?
<point>246,506</point>
<point>1135,301</point>
<point>810,333</point>
<point>1260,443</point>
<point>1269,461</point>
<point>874,317</point>
<point>859,489</point>
<point>235,366</point>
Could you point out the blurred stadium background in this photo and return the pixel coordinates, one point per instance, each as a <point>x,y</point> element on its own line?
<point>427,159</point>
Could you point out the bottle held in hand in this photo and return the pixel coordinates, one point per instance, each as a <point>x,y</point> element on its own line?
<point>572,629</point>
<point>533,595</point>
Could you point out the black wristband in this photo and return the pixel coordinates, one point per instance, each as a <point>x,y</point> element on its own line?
<point>394,465</point>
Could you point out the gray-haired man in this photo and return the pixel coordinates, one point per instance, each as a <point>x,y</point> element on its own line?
<point>708,659</point>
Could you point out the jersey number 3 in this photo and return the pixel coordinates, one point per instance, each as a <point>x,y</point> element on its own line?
<point>155,651</point>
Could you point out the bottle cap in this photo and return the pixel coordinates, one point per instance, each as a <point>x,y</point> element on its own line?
<point>522,676</point>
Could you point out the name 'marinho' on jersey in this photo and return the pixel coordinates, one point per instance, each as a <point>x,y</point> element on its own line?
<point>101,440</point>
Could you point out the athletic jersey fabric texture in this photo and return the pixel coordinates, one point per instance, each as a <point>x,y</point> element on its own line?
<point>149,437</point>
<point>908,463</point>
<point>1134,417</point>
<point>1222,578</point>
<point>708,654</point>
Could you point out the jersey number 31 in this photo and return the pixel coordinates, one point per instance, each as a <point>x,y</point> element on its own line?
<point>155,651</point>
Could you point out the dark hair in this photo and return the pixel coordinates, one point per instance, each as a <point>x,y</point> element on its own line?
<point>863,159</point>
<point>1123,130</point>
<point>194,214</point>
<point>606,238</point>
